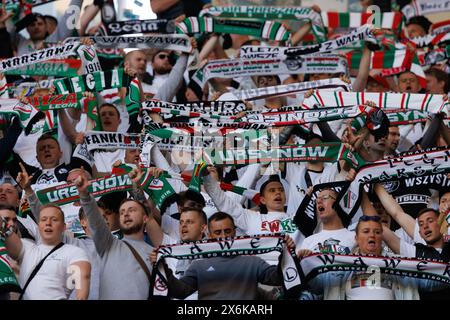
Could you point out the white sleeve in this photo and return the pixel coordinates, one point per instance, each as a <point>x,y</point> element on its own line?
<point>77,254</point>
<point>27,245</point>
<point>225,204</point>
<point>247,180</point>
<point>406,249</point>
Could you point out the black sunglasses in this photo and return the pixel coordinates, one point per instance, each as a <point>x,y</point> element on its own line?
<point>163,56</point>
<point>370,218</point>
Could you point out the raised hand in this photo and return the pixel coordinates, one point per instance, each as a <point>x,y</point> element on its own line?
<point>82,183</point>
<point>24,179</point>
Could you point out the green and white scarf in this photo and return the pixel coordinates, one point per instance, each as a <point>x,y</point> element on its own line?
<point>25,112</point>
<point>229,247</point>
<point>324,152</point>
<point>89,59</point>
<point>54,67</point>
<point>334,84</point>
<point>389,20</point>
<point>270,30</point>
<point>8,281</point>
<point>93,82</point>
<point>396,118</point>
<point>57,52</point>
<point>407,165</point>
<point>231,68</point>
<point>362,33</point>
<point>177,42</point>
<point>433,103</point>
<point>424,7</point>
<point>272,13</point>
<point>213,107</point>
<point>427,269</point>
<point>63,101</point>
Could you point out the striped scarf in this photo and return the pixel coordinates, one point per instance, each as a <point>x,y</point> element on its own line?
<point>176,42</point>
<point>57,52</point>
<point>430,39</point>
<point>53,67</point>
<point>317,264</point>
<point>440,27</point>
<point>8,281</point>
<point>213,107</point>
<point>270,30</point>
<point>333,84</point>
<point>229,247</point>
<point>25,112</point>
<point>433,103</point>
<point>391,61</point>
<point>407,165</point>
<point>231,68</point>
<point>424,7</point>
<point>263,52</point>
<point>272,13</point>
<point>325,152</point>
<point>389,20</point>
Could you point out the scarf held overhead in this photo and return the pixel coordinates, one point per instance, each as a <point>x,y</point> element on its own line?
<point>272,13</point>
<point>232,68</point>
<point>270,30</point>
<point>56,52</point>
<point>228,247</point>
<point>94,82</point>
<point>177,42</point>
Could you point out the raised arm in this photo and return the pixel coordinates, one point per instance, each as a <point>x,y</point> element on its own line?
<point>395,210</point>
<point>223,202</point>
<point>170,87</point>
<point>12,241</point>
<point>363,71</point>
<point>103,238</point>
<point>391,239</point>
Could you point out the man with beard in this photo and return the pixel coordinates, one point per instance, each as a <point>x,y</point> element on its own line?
<point>126,266</point>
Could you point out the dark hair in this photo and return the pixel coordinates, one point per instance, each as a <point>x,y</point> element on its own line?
<point>424,210</point>
<point>200,213</point>
<point>272,178</point>
<point>47,136</point>
<point>365,218</point>
<point>7,207</point>
<point>421,21</point>
<point>106,104</point>
<point>134,200</point>
<point>440,76</point>
<point>219,216</point>
<point>190,195</point>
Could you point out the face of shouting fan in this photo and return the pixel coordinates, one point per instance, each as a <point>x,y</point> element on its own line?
<point>274,197</point>
<point>324,205</point>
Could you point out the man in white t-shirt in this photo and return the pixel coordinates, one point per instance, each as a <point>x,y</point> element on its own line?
<point>334,237</point>
<point>67,268</point>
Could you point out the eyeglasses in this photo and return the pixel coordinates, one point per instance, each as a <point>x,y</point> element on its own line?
<point>163,56</point>
<point>370,218</point>
<point>326,197</point>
